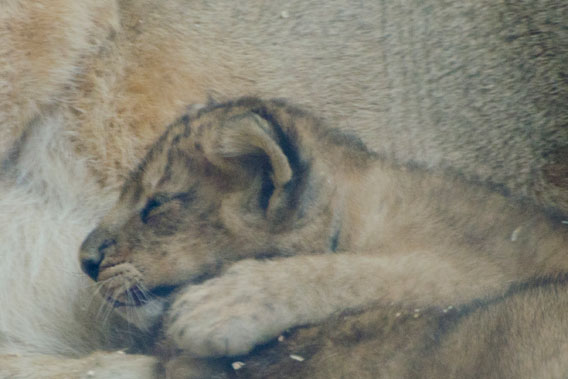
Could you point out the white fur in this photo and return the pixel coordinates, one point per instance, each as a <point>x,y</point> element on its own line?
<point>48,204</point>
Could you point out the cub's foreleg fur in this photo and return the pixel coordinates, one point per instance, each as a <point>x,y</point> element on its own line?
<point>254,301</point>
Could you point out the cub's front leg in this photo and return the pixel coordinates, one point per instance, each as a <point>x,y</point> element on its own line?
<point>254,301</point>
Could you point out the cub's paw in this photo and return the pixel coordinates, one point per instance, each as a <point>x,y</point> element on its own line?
<point>229,315</point>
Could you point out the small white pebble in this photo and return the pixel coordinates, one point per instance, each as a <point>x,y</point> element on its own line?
<point>416,315</point>
<point>417,310</point>
<point>281,338</point>
<point>90,374</point>
<point>120,352</point>
<point>297,357</point>
<point>398,314</point>
<point>238,365</point>
<point>565,222</point>
<point>515,234</point>
<point>284,14</point>
<point>450,307</point>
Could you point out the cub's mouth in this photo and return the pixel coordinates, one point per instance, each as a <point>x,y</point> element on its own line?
<point>122,285</point>
<point>136,296</point>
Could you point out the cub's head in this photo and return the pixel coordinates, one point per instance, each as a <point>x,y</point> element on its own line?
<point>235,181</point>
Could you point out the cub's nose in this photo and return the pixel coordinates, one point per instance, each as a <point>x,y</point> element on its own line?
<point>92,251</point>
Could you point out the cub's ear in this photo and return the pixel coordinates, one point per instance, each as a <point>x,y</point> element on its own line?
<point>250,135</point>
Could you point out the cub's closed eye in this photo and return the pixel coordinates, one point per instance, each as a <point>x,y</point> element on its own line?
<point>185,197</point>
<point>154,203</point>
<point>151,205</point>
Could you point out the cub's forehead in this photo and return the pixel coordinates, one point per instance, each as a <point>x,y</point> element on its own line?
<point>160,167</point>
<point>166,165</point>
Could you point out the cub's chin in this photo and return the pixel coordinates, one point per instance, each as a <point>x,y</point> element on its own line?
<point>144,316</point>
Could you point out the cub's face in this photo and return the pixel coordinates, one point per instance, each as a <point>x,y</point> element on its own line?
<point>214,189</point>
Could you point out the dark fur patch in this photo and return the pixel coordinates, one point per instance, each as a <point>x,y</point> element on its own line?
<point>266,190</point>
<point>448,324</point>
<point>556,171</point>
<point>334,241</point>
<point>289,146</point>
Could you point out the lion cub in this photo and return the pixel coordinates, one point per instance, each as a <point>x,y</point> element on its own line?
<point>251,217</point>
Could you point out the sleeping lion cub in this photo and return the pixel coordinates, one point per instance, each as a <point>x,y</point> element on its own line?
<point>251,218</point>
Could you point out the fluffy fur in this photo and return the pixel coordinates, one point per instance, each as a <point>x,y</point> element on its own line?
<point>347,232</point>
<point>85,87</point>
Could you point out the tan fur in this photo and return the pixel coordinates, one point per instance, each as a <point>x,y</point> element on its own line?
<point>474,87</point>
<point>347,232</point>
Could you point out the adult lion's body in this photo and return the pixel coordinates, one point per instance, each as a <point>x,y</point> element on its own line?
<point>85,87</point>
